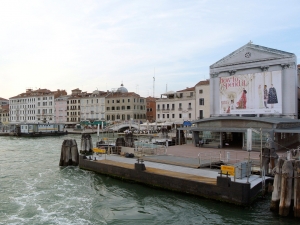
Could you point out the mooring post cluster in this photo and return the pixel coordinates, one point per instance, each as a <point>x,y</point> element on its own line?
<point>86,144</point>
<point>286,188</point>
<point>69,153</point>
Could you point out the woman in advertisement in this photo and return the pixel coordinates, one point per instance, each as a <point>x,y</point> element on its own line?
<point>243,100</point>
<point>272,98</point>
<point>266,96</point>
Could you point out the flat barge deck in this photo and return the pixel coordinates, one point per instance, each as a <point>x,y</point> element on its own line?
<point>191,180</point>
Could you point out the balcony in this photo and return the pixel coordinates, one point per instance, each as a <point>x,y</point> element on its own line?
<point>180,109</point>
<point>189,108</point>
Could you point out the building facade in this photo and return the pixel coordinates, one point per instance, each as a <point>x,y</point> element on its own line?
<point>176,107</point>
<point>4,114</point>
<point>4,101</point>
<point>253,89</point>
<point>202,104</point>
<point>122,105</point>
<point>60,105</point>
<point>151,109</point>
<point>73,106</point>
<point>92,107</point>
<point>34,106</point>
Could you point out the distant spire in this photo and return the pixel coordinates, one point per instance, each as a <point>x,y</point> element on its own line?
<point>250,42</point>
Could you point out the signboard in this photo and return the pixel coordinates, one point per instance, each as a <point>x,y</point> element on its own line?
<point>257,93</point>
<point>227,169</point>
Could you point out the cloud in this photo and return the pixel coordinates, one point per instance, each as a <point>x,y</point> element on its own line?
<point>100,44</point>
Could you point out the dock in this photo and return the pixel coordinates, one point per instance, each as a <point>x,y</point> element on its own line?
<point>180,172</point>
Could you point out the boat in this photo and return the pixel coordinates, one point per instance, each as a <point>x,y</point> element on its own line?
<point>37,129</point>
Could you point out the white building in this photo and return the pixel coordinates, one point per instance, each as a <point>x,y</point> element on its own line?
<point>176,107</point>
<point>60,105</point>
<point>33,106</point>
<point>202,90</point>
<point>92,107</point>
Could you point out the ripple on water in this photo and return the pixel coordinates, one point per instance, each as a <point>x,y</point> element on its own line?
<point>35,190</point>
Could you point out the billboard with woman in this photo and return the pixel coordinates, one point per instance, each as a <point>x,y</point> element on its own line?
<point>256,93</point>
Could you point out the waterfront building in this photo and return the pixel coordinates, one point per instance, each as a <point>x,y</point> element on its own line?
<point>60,105</point>
<point>33,106</point>
<point>92,107</point>
<point>202,104</point>
<point>151,109</point>
<point>73,106</point>
<point>122,105</point>
<point>176,107</point>
<point>254,87</point>
<point>4,101</point>
<point>4,114</point>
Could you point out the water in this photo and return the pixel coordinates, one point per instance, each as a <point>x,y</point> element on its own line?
<point>35,190</point>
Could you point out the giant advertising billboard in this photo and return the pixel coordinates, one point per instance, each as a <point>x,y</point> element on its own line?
<point>257,93</point>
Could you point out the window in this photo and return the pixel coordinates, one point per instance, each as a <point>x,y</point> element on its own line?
<point>180,106</point>
<point>158,107</point>
<point>200,91</point>
<point>158,116</point>
<point>167,106</point>
<point>173,106</point>
<point>180,116</point>
<point>190,115</point>
<point>200,114</point>
<point>168,116</point>
<point>128,107</point>
<point>201,101</point>
<point>163,106</point>
<point>191,94</point>
<point>190,105</point>
<point>173,116</point>
<point>163,115</point>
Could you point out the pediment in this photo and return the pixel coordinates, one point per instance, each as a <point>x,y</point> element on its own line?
<point>251,53</point>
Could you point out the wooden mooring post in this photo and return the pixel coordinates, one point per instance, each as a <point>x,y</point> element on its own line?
<point>86,144</point>
<point>69,155</point>
<point>297,189</point>
<point>286,187</point>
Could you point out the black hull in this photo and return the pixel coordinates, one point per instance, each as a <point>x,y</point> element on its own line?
<point>41,134</point>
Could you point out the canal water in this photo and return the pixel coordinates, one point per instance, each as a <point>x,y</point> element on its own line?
<point>35,190</point>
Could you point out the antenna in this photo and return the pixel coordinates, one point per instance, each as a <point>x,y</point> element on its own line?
<point>154,83</point>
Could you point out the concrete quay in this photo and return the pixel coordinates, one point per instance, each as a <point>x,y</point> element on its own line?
<point>179,171</point>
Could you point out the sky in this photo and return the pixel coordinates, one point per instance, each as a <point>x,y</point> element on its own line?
<point>98,45</point>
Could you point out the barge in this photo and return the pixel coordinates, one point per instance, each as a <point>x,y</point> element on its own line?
<point>37,130</point>
<point>195,181</point>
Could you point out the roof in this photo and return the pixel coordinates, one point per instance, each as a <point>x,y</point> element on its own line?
<point>272,54</point>
<point>203,82</point>
<point>187,89</point>
<point>274,120</point>
<point>120,94</point>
